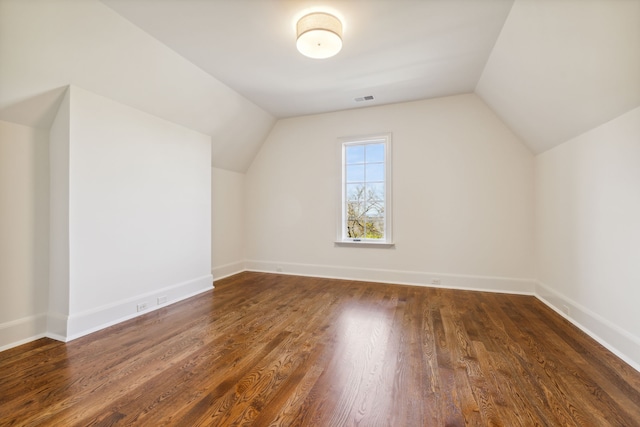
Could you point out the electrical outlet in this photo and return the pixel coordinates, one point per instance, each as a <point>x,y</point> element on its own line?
<point>162,299</point>
<point>279,268</point>
<point>142,306</point>
<point>565,309</point>
<point>435,281</point>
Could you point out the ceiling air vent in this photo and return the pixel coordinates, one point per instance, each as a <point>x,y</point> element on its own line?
<point>364,98</point>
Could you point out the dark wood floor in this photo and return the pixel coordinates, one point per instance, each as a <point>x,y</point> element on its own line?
<point>269,350</point>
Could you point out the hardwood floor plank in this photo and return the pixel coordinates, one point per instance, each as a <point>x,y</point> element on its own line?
<point>322,392</point>
<point>283,409</point>
<point>432,396</point>
<point>449,395</point>
<point>235,354</point>
<point>275,350</point>
<point>579,375</point>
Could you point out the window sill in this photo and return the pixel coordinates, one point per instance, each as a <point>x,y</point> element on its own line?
<point>365,244</point>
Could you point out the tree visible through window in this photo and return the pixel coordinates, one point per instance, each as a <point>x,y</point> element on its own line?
<point>364,189</point>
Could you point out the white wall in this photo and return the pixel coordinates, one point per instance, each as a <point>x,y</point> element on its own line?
<point>24,235</point>
<point>463,197</point>
<point>588,239</point>
<point>139,212</point>
<point>227,222</point>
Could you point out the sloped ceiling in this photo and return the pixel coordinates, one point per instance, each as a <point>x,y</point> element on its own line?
<point>395,50</point>
<point>561,68</point>
<point>552,69</point>
<point>46,45</point>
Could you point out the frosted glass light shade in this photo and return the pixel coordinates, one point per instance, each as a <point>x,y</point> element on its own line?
<point>319,35</point>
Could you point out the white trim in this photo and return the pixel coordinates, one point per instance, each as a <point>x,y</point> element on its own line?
<point>611,336</point>
<point>62,327</point>
<point>56,337</point>
<point>226,270</point>
<point>21,331</point>
<point>381,137</point>
<point>415,278</point>
<point>365,244</point>
<point>86,322</point>
<point>22,341</point>
<point>57,325</point>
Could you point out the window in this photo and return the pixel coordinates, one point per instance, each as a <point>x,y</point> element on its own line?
<point>365,190</point>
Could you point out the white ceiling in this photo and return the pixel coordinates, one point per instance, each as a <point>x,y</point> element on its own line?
<point>395,50</point>
<point>551,69</point>
<point>563,67</point>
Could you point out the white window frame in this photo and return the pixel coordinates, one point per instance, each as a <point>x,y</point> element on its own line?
<point>341,238</point>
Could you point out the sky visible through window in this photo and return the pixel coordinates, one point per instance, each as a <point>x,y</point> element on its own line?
<point>365,190</point>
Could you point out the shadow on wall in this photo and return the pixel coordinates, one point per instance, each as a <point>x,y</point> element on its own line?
<point>38,111</point>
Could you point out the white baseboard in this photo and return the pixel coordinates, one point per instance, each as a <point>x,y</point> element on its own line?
<point>86,322</point>
<point>615,339</point>
<point>226,270</point>
<point>22,331</point>
<point>416,278</point>
<point>55,337</point>
<point>57,325</point>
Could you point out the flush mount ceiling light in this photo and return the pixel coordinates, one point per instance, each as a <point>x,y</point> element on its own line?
<point>319,35</point>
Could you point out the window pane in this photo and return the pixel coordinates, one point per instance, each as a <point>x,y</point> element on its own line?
<point>375,172</point>
<point>355,173</point>
<point>374,228</point>
<point>364,189</point>
<point>355,220</point>
<point>355,210</point>
<point>375,153</point>
<point>375,191</point>
<point>355,229</point>
<point>375,209</point>
<point>355,192</point>
<point>355,154</point>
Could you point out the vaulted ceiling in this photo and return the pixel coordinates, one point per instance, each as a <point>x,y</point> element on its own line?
<point>395,50</point>
<point>551,69</point>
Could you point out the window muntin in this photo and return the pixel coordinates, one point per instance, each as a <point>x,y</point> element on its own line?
<point>365,190</point>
